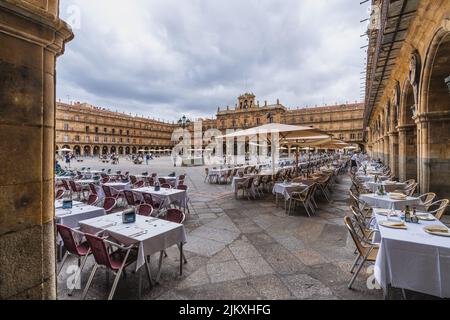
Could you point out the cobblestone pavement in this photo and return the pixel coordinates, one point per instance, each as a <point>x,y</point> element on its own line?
<point>240,249</point>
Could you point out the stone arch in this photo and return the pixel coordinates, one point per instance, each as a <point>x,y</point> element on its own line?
<point>433,120</point>
<point>87,151</point>
<point>121,150</point>
<point>113,149</point>
<point>134,150</point>
<point>96,151</point>
<point>105,150</point>
<point>127,150</point>
<point>77,151</point>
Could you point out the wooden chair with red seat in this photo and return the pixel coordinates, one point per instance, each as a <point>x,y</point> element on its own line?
<point>175,216</point>
<point>130,198</point>
<point>59,194</point>
<point>109,204</point>
<point>92,200</point>
<point>145,210</point>
<point>149,199</point>
<point>113,257</point>
<point>78,249</point>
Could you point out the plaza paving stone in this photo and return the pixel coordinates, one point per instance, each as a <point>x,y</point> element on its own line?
<point>241,249</point>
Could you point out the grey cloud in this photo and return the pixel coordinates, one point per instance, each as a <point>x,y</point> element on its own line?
<point>171,57</point>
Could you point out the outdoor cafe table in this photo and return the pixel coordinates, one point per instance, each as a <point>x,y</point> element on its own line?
<point>370,177</point>
<point>385,202</point>
<point>87,182</point>
<point>59,204</point>
<point>167,196</point>
<point>79,212</point>
<point>119,186</point>
<point>286,189</point>
<point>237,180</point>
<point>150,235</point>
<point>171,180</point>
<point>389,187</point>
<point>413,259</point>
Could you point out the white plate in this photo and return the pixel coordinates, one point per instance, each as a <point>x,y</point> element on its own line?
<point>439,234</point>
<point>428,217</point>
<point>386,225</point>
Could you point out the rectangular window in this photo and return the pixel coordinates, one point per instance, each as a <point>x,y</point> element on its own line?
<point>105,139</point>
<point>96,139</point>
<point>66,127</point>
<point>66,138</point>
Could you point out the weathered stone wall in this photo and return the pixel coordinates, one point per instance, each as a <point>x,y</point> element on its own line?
<point>423,139</point>
<point>31,36</point>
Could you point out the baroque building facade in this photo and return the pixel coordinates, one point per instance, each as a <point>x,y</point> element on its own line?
<point>407,107</point>
<point>344,122</point>
<point>92,131</point>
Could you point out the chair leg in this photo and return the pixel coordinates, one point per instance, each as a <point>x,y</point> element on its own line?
<point>88,284</point>
<point>62,262</point>
<point>355,263</point>
<point>359,268</point>
<point>78,274</point>
<point>307,211</point>
<point>159,266</point>
<point>115,283</point>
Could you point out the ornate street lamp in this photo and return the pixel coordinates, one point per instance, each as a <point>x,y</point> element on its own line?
<point>447,82</point>
<point>184,122</point>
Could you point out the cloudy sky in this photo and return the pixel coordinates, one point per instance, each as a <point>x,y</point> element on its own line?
<point>166,58</point>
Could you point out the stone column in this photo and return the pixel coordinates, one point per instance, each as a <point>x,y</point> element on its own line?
<point>433,130</point>
<point>402,153</point>
<point>393,152</point>
<point>386,159</point>
<point>408,152</point>
<point>31,37</point>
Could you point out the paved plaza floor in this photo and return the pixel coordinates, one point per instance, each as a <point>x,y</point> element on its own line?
<point>240,249</point>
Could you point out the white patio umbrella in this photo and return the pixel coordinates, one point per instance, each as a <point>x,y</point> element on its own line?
<point>65,150</point>
<point>283,131</point>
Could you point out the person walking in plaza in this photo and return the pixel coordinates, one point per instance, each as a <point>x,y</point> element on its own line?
<point>354,158</point>
<point>67,156</point>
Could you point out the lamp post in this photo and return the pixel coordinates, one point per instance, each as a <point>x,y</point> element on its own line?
<point>184,122</point>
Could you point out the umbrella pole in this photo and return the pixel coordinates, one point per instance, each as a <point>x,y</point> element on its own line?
<point>272,151</point>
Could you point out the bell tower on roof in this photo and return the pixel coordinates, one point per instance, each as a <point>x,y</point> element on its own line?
<point>246,101</point>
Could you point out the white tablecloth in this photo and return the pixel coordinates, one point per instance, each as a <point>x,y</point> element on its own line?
<point>236,180</point>
<point>371,178</point>
<point>373,186</point>
<point>287,189</point>
<point>413,259</point>
<point>59,204</point>
<point>160,234</point>
<point>165,196</point>
<point>79,212</point>
<point>385,202</point>
<point>119,186</point>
